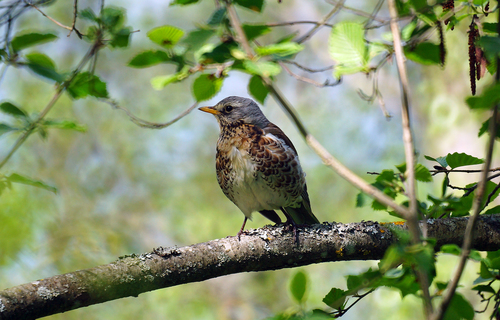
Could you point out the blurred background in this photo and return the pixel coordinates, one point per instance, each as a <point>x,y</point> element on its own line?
<point>123,189</point>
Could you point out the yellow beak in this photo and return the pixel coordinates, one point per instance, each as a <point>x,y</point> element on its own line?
<point>209,110</point>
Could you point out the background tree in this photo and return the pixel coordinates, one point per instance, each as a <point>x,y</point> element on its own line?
<point>121,188</point>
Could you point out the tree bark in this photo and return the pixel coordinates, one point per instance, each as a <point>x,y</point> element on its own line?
<point>268,248</point>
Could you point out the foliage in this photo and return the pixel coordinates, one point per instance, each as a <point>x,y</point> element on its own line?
<point>210,53</point>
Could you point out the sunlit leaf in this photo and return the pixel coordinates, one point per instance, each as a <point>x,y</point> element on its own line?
<point>424,53</point>
<point>31,39</point>
<point>253,31</point>
<point>16,178</point>
<point>262,68</point>
<point>165,36</point>
<point>85,84</point>
<point>488,98</point>
<point>280,49</point>
<point>160,82</point>
<point>65,124</point>
<point>347,47</point>
<point>451,249</point>
<point>149,58</point>
<point>206,86</point>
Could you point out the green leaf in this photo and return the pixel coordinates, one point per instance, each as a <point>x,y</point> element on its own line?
<point>149,58</point>
<point>456,160</point>
<point>483,288</point>
<point>407,30</point>
<point>298,286</point>
<point>10,109</point>
<point>197,38</point>
<point>422,173</point>
<point>257,89</point>
<point>336,299</point>
<point>347,47</point>
<point>206,86</point>
<point>451,249</point>
<point>254,5</point>
<point>88,14</point>
<point>217,17</point>
<point>280,49</point>
<point>490,45</point>
<point>440,160</point>
<point>4,128</point>
<point>488,98</point>
<point>112,18</point>
<point>253,31</point>
<point>16,178</point>
<point>44,66</point>
<point>484,272</point>
<point>220,53</point>
<point>31,39</point>
<point>166,36</point>
<point>262,68</point>
<point>183,2</point>
<point>493,210</point>
<point>160,82</point>
<point>120,38</point>
<point>64,124</point>
<point>424,53</point>
<point>459,308</point>
<point>490,27</point>
<point>85,84</point>
<point>361,199</point>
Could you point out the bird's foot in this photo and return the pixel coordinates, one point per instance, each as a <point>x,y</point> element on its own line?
<point>290,224</point>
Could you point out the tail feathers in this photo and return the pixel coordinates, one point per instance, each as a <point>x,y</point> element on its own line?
<point>300,215</point>
<point>271,215</point>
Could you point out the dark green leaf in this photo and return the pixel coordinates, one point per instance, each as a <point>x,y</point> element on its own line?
<point>424,53</point>
<point>484,272</point>
<point>490,27</point>
<point>183,2</point>
<point>10,109</point>
<point>206,86</point>
<point>456,160</point>
<point>85,84</point>
<point>31,39</point>
<point>217,17</point>
<point>166,36</point>
<point>444,186</point>
<point>88,14</point>
<point>4,128</point>
<point>387,175</point>
<point>459,308</point>
<point>112,18</point>
<point>149,58</point>
<point>197,38</point>
<point>488,98</point>
<point>364,280</point>
<point>161,81</point>
<point>361,200</point>
<point>16,178</point>
<point>280,49</point>
<point>298,286</point>
<point>451,249</point>
<point>221,53</point>
<point>493,210</point>
<point>44,66</point>
<point>254,5</point>
<point>120,38</point>
<point>253,31</point>
<point>347,47</point>
<point>490,45</point>
<point>422,173</point>
<point>335,299</point>
<point>483,288</point>
<point>65,124</point>
<point>257,89</point>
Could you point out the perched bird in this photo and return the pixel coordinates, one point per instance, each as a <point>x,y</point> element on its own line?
<point>257,165</point>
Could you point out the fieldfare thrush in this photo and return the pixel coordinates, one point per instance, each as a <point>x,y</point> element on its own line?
<point>257,166</point>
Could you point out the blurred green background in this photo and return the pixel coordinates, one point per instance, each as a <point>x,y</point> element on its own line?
<point>123,189</point>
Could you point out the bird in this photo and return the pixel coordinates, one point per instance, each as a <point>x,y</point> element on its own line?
<point>257,165</point>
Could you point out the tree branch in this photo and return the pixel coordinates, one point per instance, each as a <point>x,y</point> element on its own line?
<point>268,248</point>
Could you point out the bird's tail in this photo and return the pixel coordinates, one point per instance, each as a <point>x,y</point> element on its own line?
<point>302,214</point>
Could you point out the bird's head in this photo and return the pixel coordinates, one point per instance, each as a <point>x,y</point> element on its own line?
<point>237,110</point>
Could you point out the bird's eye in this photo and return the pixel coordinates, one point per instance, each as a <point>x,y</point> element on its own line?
<point>228,108</point>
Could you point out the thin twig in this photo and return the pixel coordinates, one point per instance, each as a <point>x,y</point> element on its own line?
<point>48,17</point>
<point>146,124</point>
<point>291,23</point>
<point>311,70</point>
<point>75,13</point>
<point>476,207</point>
<point>409,151</point>
<point>463,170</point>
<point>374,13</point>
<point>311,81</point>
<point>240,34</point>
<point>310,33</point>
<point>360,12</point>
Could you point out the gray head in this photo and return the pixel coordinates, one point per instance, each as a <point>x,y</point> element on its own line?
<point>233,110</point>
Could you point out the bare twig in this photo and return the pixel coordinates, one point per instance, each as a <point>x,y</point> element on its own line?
<point>311,81</point>
<point>476,208</point>
<point>409,151</point>
<point>463,171</point>
<point>322,22</point>
<point>311,70</point>
<point>55,21</point>
<point>240,34</point>
<point>75,13</point>
<point>360,12</point>
<point>146,124</point>
<point>291,23</point>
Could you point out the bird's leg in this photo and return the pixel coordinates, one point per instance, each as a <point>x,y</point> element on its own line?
<point>289,221</point>
<point>242,228</point>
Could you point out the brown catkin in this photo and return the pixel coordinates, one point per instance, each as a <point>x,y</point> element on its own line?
<point>473,33</point>
<point>442,47</point>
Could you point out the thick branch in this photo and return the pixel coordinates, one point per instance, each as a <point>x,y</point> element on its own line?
<point>269,248</point>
